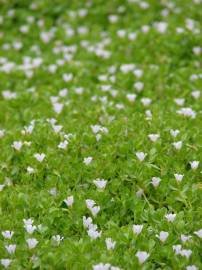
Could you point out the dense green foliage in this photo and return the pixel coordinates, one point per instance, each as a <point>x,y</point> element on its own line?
<point>118,81</point>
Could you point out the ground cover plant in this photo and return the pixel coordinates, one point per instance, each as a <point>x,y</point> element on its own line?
<point>100,134</point>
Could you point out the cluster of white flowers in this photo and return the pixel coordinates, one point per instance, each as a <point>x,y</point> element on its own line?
<point>92,229</point>
<point>91,205</point>
<point>183,252</point>
<point>7,94</point>
<point>188,112</point>
<point>30,229</point>
<point>98,130</point>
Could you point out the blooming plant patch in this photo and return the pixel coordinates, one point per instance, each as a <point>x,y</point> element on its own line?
<point>101,134</point>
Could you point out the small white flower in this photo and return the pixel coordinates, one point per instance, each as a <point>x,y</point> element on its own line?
<point>67,77</point>
<point>170,217</point>
<point>31,242</point>
<point>10,248</point>
<point>6,262</point>
<point>102,266</point>
<point>139,193</point>
<point>177,249</point>
<point>24,29</point>
<point>28,129</point>
<point>142,256</point>
<point>106,266</point>
<point>132,36</point>
<point>57,128</point>
<point>179,30</point>
<point>34,258</point>
<point>8,95</point>
<point>87,222</point>
<point>95,210</point>
<point>2,187</point>
<point>148,114</point>
<point>179,101</point>
<point>53,191</point>
<point>174,133</point>
<point>186,253</point>
<point>155,181</point>
<point>92,207</point>
<point>138,73</point>
<point>52,68</point>
<point>194,164</point>
<point>113,18</point>
<point>140,155</point>
<point>87,160</point>
<point>178,177</point>
<point>98,137</point>
<point>119,106</point>
<point>163,236</point>
<point>145,28</point>
<point>63,92</point>
<point>17,145</point>
<point>153,137</point>
<point>40,157</point>
<point>196,94</point>
<point>94,234</point>
<point>177,145</point>
<point>28,221</point>
<point>146,101</point>
<point>57,239</point>
<point>79,90</point>
<point>161,27</point>
<point>2,133</point>
<point>90,203</point>
<point>198,233</point>
<point>185,238</point>
<point>52,121</point>
<point>30,170</point>
<point>54,99</point>
<point>92,226</point>
<point>7,234</point>
<point>100,183</point>
<point>191,267</point>
<point>7,181</point>
<point>137,229</point>
<point>30,228</point>
<point>95,128</point>
<point>197,50</point>
<point>187,112</point>
<point>110,243</point>
<point>69,201</point>
<point>57,107</point>
<point>46,36</point>
<point>131,97</point>
<point>121,33</point>
<point>139,86</point>
<point>63,145</point>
